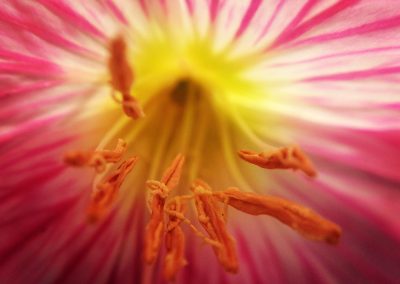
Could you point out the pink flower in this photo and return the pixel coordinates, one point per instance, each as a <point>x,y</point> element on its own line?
<point>204,78</point>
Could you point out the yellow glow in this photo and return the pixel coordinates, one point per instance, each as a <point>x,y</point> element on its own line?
<point>160,59</point>
<point>209,123</point>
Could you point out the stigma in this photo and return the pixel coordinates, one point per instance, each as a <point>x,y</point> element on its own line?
<point>122,78</point>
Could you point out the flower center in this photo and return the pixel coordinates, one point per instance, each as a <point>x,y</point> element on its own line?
<point>182,119</point>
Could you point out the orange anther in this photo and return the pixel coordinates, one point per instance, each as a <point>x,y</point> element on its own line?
<point>113,156</point>
<point>182,199</point>
<point>122,77</point>
<point>302,219</point>
<point>78,158</point>
<point>154,229</point>
<point>105,193</point>
<point>132,108</point>
<point>211,217</point>
<point>159,193</point>
<point>173,173</point>
<point>120,70</point>
<point>96,159</point>
<point>282,158</point>
<point>174,240</point>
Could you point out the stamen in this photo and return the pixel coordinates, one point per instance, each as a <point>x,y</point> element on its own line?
<point>182,218</point>
<point>105,193</point>
<point>131,107</point>
<point>113,156</point>
<point>122,77</point>
<point>302,219</point>
<point>159,193</point>
<point>96,159</point>
<point>174,241</point>
<point>282,158</point>
<point>211,218</point>
<point>172,174</point>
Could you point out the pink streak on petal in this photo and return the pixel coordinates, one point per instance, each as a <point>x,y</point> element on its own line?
<point>371,157</point>
<point>214,7</point>
<point>128,269</point>
<point>28,88</point>
<point>31,229</point>
<point>116,11</point>
<point>30,167</point>
<point>313,22</point>
<point>190,6</point>
<point>46,32</point>
<point>395,106</point>
<point>27,197</point>
<point>247,257</point>
<point>164,6</point>
<point>26,185</point>
<point>374,206</point>
<point>356,216</point>
<point>37,151</point>
<point>29,109</point>
<point>72,17</point>
<point>77,257</point>
<point>21,251</point>
<point>367,269</point>
<point>248,16</point>
<point>277,272</point>
<point>25,128</point>
<point>23,58</point>
<point>356,75</point>
<point>312,273</point>
<point>30,69</point>
<point>270,22</point>
<point>340,54</point>
<point>144,8</point>
<point>380,25</point>
<point>307,7</point>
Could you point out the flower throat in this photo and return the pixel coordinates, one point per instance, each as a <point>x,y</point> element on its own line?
<point>183,121</point>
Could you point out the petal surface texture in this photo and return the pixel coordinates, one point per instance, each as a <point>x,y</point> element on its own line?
<point>203,79</point>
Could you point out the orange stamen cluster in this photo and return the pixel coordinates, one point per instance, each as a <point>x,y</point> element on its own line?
<point>282,158</point>
<point>96,159</point>
<point>167,214</point>
<point>159,193</point>
<point>211,214</point>
<point>122,78</point>
<point>174,240</point>
<point>104,193</point>
<point>212,218</point>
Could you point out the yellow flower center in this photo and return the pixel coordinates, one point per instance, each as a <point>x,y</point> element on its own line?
<point>181,99</point>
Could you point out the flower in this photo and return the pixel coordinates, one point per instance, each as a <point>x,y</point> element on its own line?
<point>199,81</point>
